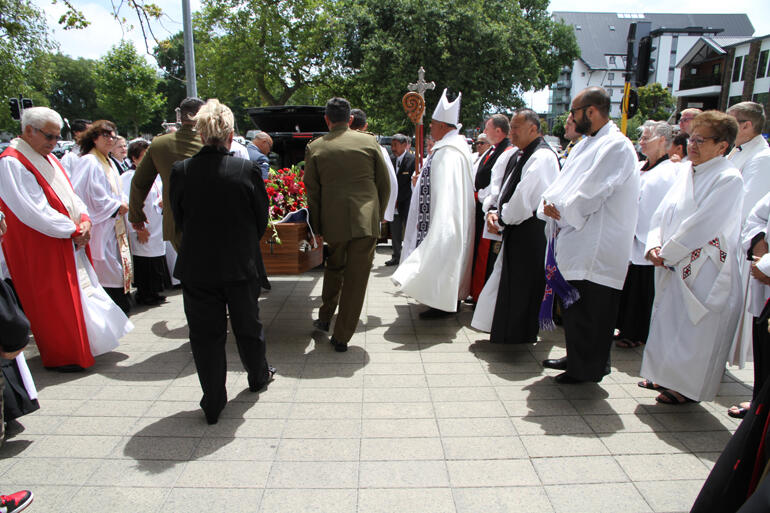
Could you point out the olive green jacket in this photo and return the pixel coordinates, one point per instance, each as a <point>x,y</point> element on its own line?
<point>347,184</point>
<point>161,155</point>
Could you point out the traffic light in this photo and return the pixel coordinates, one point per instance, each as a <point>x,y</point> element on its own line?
<point>645,64</point>
<point>15,110</point>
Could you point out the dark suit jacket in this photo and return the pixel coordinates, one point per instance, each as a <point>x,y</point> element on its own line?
<point>348,185</point>
<point>220,205</point>
<point>404,179</point>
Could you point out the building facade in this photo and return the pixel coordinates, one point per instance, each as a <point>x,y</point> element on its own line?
<point>602,36</point>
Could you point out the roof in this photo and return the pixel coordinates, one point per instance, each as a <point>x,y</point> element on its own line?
<point>596,38</point>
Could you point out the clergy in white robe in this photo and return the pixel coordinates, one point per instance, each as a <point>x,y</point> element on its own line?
<point>509,304</point>
<point>71,316</point>
<point>751,156</point>
<point>436,256</point>
<point>694,244</point>
<point>591,208</point>
<point>657,176</point>
<point>98,185</point>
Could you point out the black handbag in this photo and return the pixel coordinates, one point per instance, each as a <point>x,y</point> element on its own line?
<point>14,326</point>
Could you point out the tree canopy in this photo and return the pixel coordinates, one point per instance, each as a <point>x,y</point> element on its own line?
<point>655,102</point>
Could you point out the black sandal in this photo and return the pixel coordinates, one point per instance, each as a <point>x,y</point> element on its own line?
<point>672,397</point>
<point>649,385</point>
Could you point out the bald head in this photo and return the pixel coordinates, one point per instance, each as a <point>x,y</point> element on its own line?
<point>263,142</point>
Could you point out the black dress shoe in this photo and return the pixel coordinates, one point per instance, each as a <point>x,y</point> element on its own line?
<point>556,363</point>
<point>340,347</point>
<point>270,378</point>
<point>67,368</point>
<point>434,313</point>
<point>566,379</point>
<point>392,261</point>
<point>320,325</point>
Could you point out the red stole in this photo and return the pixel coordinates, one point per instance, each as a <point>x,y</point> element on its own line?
<point>45,276</point>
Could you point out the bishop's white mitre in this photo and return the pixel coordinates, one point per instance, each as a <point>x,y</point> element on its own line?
<point>448,112</point>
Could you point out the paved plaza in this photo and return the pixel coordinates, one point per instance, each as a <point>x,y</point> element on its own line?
<point>418,416</point>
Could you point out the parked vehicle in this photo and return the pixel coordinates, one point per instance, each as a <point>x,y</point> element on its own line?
<point>291,127</point>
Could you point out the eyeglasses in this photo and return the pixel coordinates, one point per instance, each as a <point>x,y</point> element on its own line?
<point>648,138</point>
<point>49,137</point>
<point>697,141</point>
<point>573,111</point>
<point>109,136</point>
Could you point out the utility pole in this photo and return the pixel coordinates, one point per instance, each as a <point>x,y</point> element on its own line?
<point>189,50</point>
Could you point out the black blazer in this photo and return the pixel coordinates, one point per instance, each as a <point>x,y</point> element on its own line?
<point>220,205</point>
<point>404,178</point>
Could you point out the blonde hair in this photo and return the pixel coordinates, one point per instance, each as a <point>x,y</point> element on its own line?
<point>215,122</point>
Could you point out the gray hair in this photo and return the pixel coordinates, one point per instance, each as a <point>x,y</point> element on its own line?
<point>750,111</point>
<point>214,121</point>
<point>659,129</point>
<point>260,136</point>
<point>38,116</point>
<point>401,139</point>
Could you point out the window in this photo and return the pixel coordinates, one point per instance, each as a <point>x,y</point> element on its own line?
<point>717,69</point>
<point>762,66</point>
<point>761,98</point>
<point>733,100</point>
<point>670,78</point>
<point>612,28</point>
<point>612,59</point>
<point>610,76</point>
<point>610,91</point>
<point>737,65</point>
<point>578,27</point>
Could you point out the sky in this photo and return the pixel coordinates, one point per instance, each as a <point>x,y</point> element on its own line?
<point>104,32</point>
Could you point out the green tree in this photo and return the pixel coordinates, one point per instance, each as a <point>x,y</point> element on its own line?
<point>490,50</point>
<point>23,39</point>
<point>558,125</point>
<point>655,102</point>
<point>71,92</point>
<point>263,51</point>
<point>126,87</point>
<point>169,55</point>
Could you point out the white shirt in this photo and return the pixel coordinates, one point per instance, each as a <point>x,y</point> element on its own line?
<point>596,194</point>
<point>540,171</point>
<point>489,194</point>
<point>70,161</point>
<point>753,161</point>
<point>391,208</point>
<point>239,150</point>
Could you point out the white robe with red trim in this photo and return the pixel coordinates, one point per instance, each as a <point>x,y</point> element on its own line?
<point>66,332</point>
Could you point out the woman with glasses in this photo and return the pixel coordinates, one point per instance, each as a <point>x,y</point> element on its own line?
<point>98,185</point>
<point>693,243</point>
<point>657,175</point>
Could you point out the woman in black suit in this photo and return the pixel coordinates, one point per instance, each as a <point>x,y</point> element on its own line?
<point>220,205</point>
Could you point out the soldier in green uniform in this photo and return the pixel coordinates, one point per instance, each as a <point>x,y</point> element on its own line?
<point>348,187</point>
<point>161,155</point>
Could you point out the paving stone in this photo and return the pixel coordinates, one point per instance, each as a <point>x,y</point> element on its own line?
<point>216,500</point>
<point>676,495</point>
<point>224,474</point>
<point>424,500</point>
<point>308,500</point>
<point>541,446</point>
<point>654,467</point>
<point>502,500</point>
<point>383,449</point>
<point>314,449</point>
<point>597,498</point>
<point>117,500</point>
<point>313,474</point>
<point>403,474</point>
<point>483,448</point>
<point>579,469</point>
<point>466,473</point>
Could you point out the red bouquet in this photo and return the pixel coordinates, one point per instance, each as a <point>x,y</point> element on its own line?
<point>286,191</point>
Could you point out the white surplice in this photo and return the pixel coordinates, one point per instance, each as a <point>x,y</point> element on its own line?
<point>438,272</point>
<point>698,292</point>
<point>654,184</point>
<point>489,194</point>
<point>93,187</point>
<point>391,208</point>
<point>753,161</point>
<point>757,222</point>
<point>70,161</point>
<point>538,173</point>
<point>597,194</point>
<point>105,321</point>
<point>155,245</point>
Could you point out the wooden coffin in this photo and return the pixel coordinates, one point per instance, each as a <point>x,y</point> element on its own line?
<point>287,258</point>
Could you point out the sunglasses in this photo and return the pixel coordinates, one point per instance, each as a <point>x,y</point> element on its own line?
<point>48,137</point>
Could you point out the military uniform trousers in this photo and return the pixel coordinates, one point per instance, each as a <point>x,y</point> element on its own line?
<point>345,278</point>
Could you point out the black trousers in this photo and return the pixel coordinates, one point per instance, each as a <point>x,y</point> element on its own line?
<point>636,303</point>
<point>206,308</point>
<point>149,274</point>
<point>761,343</point>
<point>119,297</point>
<point>397,229</point>
<point>588,328</point>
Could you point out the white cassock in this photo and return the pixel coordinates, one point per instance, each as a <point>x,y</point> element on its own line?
<point>757,222</point>
<point>105,322</point>
<point>93,187</point>
<point>438,272</point>
<point>540,170</point>
<point>155,246</point>
<point>698,293</point>
<point>489,194</point>
<point>753,161</point>
<point>391,208</point>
